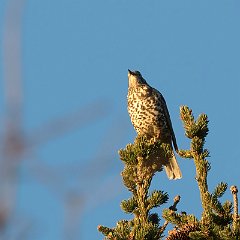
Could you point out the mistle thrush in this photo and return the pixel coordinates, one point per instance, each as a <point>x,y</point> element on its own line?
<point>150,117</point>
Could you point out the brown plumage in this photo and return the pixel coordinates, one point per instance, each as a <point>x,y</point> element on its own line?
<point>150,117</point>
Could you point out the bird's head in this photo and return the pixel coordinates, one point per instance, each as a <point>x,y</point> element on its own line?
<point>135,78</point>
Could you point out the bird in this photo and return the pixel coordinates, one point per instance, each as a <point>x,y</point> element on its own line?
<point>150,117</point>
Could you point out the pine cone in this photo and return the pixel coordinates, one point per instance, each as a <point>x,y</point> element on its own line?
<point>182,233</point>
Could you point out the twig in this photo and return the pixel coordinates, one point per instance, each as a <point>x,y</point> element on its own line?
<point>176,201</point>
<point>234,191</point>
<point>173,208</point>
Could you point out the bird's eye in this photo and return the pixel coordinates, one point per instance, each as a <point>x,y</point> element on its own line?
<point>138,73</point>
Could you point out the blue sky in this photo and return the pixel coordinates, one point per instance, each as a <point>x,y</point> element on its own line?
<point>74,57</point>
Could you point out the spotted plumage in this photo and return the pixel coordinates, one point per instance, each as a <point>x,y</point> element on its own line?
<point>150,117</point>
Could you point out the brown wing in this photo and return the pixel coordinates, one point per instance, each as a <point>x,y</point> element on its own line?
<point>169,123</point>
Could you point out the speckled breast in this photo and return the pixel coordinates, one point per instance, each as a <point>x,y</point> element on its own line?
<point>146,111</point>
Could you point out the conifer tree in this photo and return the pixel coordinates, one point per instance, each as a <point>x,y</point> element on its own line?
<point>218,221</point>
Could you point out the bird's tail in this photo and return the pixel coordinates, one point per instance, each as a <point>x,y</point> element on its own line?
<point>171,167</point>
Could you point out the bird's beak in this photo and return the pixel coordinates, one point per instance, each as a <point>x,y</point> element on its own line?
<point>130,72</point>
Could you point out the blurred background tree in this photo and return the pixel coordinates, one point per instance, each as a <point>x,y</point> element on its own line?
<point>21,162</point>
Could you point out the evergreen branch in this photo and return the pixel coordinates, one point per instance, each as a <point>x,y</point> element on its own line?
<point>172,217</point>
<point>198,130</point>
<point>216,218</point>
<point>185,153</point>
<point>220,189</point>
<point>202,126</point>
<point>106,231</point>
<point>187,117</point>
<point>128,175</point>
<point>156,199</point>
<point>137,175</point>
<point>228,207</point>
<point>142,161</point>
<point>129,205</point>
<point>216,205</point>
<point>123,229</point>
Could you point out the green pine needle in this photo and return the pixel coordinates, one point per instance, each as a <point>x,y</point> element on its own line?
<point>156,199</point>
<point>220,189</point>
